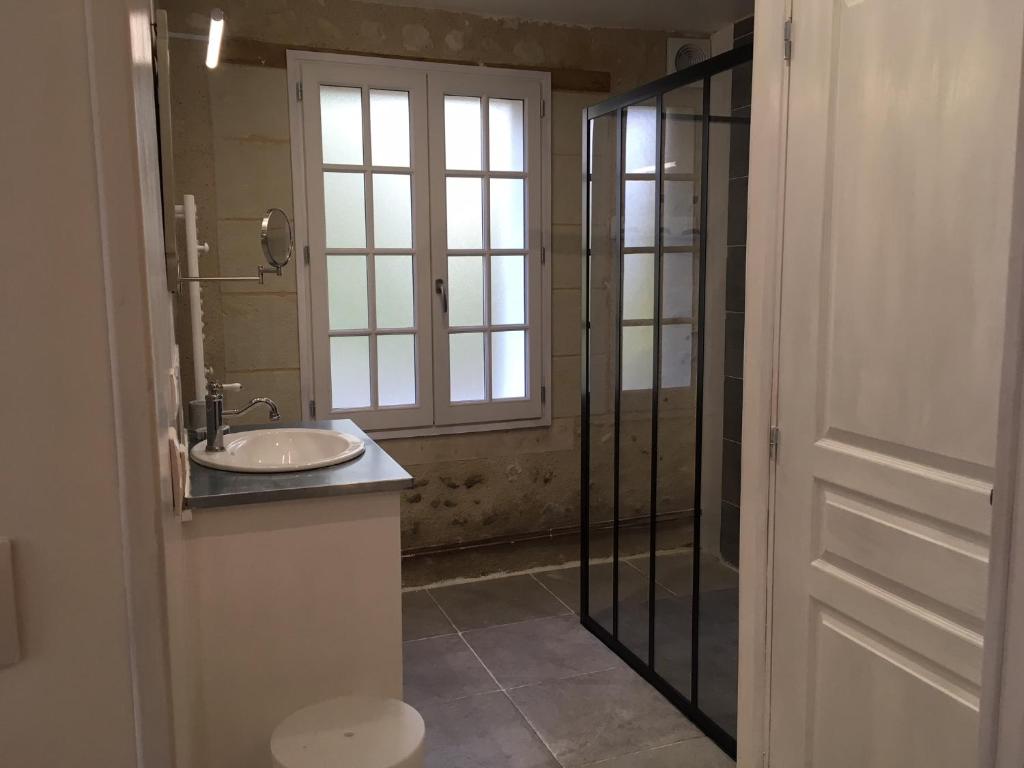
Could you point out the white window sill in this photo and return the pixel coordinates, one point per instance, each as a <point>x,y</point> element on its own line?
<point>459,429</point>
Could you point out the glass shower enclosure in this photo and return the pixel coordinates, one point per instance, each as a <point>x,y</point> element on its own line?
<point>663,238</point>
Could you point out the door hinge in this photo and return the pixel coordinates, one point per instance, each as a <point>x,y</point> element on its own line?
<point>773,442</point>
<point>787,39</point>
<point>543,255</point>
<point>305,254</point>
<point>543,107</point>
<point>298,91</point>
<point>312,409</point>
<point>543,394</point>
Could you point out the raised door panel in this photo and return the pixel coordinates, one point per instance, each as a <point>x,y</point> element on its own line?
<point>917,225</point>
<point>871,695</point>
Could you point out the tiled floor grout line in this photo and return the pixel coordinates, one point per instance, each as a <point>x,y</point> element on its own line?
<point>513,623</point>
<point>457,631</point>
<point>461,580</point>
<point>666,587</point>
<point>696,735</point>
<point>606,760</point>
<point>500,689</point>
<point>462,636</point>
<point>567,677</point>
<point>569,610</point>
<point>466,643</point>
<point>431,637</point>
<point>533,728</point>
<point>540,738</point>
<point>548,590</point>
<point>495,679</point>
<point>458,581</point>
<point>573,677</point>
<point>629,562</point>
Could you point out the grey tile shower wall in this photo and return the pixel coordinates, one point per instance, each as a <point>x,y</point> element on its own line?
<point>735,289</point>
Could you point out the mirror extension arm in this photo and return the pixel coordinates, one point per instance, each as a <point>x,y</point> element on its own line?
<point>258,278</point>
<point>277,243</point>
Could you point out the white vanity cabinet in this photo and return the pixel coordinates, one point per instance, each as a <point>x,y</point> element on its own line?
<point>293,601</point>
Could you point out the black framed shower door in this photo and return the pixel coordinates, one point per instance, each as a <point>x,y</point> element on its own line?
<point>656,586</point>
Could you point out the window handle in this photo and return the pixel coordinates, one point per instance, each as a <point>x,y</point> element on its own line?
<point>441,291</point>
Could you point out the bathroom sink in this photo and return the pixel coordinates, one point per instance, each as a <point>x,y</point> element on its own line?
<point>280,450</point>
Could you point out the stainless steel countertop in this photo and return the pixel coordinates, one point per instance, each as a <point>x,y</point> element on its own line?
<point>372,472</point>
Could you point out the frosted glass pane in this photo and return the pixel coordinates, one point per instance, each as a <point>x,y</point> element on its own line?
<point>462,133</point>
<point>389,128</point>
<point>465,290</point>
<point>392,211</point>
<point>350,372</point>
<point>343,210</point>
<point>466,366</point>
<point>676,355</point>
<point>640,139</point>
<point>508,290</point>
<point>682,138</point>
<point>677,285</point>
<point>393,281</point>
<point>396,370</point>
<point>508,364</point>
<point>678,213</point>
<point>638,286</point>
<point>639,214</point>
<point>341,125</point>
<point>464,203</point>
<point>637,357</point>
<point>505,128</point>
<point>507,213</point>
<point>346,292</point>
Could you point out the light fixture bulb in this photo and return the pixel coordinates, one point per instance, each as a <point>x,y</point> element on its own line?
<point>216,33</point>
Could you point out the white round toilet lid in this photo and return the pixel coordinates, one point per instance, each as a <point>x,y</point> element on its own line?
<point>350,732</point>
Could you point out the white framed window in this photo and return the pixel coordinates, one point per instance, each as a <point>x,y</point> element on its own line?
<point>422,210</point>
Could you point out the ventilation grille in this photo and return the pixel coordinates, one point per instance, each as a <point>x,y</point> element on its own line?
<point>684,52</point>
<point>687,55</point>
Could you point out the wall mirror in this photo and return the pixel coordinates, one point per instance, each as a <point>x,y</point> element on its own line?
<point>276,238</point>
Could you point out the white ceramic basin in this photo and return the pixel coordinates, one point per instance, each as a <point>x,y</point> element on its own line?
<point>280,450</point>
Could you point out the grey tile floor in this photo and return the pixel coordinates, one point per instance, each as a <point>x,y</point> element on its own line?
<point>505,677</point>
<point>718,629</point>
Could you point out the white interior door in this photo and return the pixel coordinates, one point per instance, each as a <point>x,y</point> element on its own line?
<point>902,133</point>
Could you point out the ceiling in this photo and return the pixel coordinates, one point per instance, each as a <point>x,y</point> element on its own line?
<point>703,16</point>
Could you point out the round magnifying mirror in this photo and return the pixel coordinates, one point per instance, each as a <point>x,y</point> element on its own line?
<point>276,237</point>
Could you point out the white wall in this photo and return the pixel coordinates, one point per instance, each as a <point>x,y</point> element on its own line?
<point>82,480</point>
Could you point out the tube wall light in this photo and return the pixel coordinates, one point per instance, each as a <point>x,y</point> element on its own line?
<point>216,33</point>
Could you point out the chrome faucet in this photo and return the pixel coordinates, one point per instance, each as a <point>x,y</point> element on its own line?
<point>215,413</point>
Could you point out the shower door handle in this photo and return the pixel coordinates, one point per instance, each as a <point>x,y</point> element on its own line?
<point>441,291</point>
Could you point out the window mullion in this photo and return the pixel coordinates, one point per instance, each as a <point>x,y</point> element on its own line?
<point>371,283</point>
<point>485,210</point>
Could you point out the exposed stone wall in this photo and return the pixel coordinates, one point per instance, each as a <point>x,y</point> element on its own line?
<point>232,151</point>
